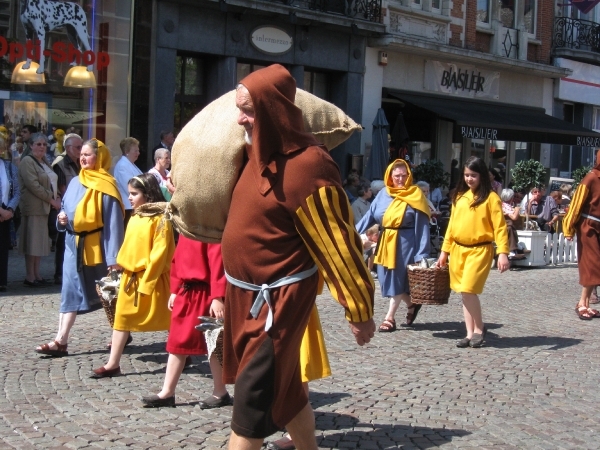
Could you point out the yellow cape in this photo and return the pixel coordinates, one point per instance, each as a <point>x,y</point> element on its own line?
<point>408,195</point>
<point>88,214</point>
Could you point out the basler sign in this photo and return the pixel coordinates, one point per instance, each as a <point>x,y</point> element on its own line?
<point>463,81</point>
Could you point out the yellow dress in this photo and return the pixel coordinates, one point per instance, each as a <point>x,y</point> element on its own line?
<point>470,266</point>
<point>144,293</point>
<point>314,363</point>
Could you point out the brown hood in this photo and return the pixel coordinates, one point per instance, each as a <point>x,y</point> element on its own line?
<point>278,124</point>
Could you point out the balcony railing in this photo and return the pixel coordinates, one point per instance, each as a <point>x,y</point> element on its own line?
<point>576,34</point>
<point>369,10</point>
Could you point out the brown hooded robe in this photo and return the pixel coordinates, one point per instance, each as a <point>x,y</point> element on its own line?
<point>586,201</point>
<point>288,212</point>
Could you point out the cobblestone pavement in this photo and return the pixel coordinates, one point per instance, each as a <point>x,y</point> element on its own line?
<point>533,386</point>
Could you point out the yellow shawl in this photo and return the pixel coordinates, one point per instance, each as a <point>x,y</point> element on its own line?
<point>408,195</point>
<point>88,214</point>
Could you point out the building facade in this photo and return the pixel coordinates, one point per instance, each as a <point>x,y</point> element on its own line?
<point>576,47</point>
<point>469,77</point>
<point>190,53</point>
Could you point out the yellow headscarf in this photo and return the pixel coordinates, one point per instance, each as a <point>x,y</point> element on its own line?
<point>88,214</point>
<point>59,135</point>
<point>408,195</point>
<point>4,135</point>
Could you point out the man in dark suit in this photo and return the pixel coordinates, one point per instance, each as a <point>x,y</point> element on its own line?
<point>166,141</point>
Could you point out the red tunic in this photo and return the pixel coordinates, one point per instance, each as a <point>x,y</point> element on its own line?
<point>197,277</point>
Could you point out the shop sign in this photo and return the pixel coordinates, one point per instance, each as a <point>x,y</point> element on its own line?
<point>588,141</point>
<point>463,81</point>
<point>479,133</point>
<point>39,17</point>
<point>271,40</point>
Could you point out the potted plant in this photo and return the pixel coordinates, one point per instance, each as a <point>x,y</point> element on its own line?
<point>432,172</point>
<point>578,175</point>
<point>526,175</point>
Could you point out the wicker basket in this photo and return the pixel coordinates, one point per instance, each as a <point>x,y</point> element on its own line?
<point>108,291</point>
<point>429,286</point>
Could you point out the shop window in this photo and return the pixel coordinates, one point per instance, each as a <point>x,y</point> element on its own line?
<point>190,88</point>
<point>523,151</point>
<point>483,11</point>
<point>82,57</point>
<point>596,123</point>
<point>318,83</point>
<point>245,69</point>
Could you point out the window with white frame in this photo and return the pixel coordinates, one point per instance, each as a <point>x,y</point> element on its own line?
<point>509,14</point>
<point>436,5</point>
<point>484,9</point>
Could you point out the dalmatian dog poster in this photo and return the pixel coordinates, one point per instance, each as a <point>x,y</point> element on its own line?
<point>40,17</point>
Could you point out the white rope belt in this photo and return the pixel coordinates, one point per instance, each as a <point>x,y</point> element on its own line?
<point>587,216</point>
<point>263,291</point>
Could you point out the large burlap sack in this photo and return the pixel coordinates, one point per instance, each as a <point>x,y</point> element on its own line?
<point>207,157</point>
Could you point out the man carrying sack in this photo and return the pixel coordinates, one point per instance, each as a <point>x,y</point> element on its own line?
<point>288,223</point>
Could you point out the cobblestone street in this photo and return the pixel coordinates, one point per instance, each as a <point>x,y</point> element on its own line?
<point>534,385</point>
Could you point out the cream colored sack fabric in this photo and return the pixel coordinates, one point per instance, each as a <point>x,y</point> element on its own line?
<point>207,157</point>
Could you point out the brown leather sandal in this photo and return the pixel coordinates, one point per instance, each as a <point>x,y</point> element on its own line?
<point>387,326</point>
<point>583,313</point>
<point>59,351</point>
<point>411,316</point>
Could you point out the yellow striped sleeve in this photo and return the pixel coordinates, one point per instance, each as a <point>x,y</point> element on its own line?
<point>574,212</point>
<point>324,221</point>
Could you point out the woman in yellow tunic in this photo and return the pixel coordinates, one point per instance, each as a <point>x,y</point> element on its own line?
<point>145,257</point>
<point>475,223</point>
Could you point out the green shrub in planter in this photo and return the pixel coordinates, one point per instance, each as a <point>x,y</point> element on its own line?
<point>432,172</point>
<point>527,174</point>
<point>578,175</point>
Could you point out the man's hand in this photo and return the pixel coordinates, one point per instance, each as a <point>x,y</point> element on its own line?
<point>363,331</point>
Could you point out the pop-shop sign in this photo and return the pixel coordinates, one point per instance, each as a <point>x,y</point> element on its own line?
<point>61,52</point>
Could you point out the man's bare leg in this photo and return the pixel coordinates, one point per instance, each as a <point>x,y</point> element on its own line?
<point>237,442</point>
<point>302,429</point>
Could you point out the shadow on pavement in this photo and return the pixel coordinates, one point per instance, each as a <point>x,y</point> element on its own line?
<point>457,328</point>
<point>318,399</point>
<point>382,435</point>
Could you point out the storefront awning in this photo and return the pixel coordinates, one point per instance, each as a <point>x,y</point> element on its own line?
<point>500,122</point>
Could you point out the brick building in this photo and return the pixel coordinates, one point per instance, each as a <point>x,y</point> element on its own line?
<point>470,77</point>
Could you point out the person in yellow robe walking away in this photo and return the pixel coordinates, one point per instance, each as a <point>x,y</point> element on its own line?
<point>145,258</point>
<point>475,224</point>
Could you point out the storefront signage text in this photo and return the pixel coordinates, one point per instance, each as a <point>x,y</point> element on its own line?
<point>271,40</point>
<point>61,52</point>
<point>479,133</point>
<point>462,81</point>
<point>587,141</point>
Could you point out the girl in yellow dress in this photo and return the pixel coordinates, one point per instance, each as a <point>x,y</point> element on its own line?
<point>145,258</point>
<point>475,223</point>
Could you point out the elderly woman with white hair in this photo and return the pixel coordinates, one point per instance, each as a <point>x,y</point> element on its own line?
<point>162,162</point>
<point>424,186</point>
<point>511,214</point>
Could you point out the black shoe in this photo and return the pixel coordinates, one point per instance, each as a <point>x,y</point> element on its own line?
<point>154,401</point>
<point>44,282</point>
<point>101,372</point>
<point>34,283</point>
<point>215,402</point>
<point>58,280</point>
<point>463,343</point>
<point>478,339</point>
